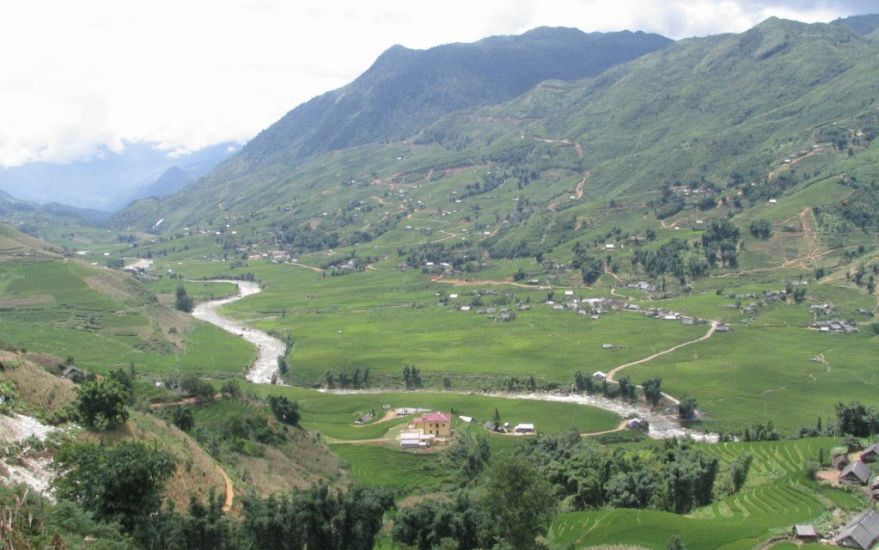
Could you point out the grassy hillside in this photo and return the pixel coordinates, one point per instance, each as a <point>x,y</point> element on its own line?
<point>104,319</point>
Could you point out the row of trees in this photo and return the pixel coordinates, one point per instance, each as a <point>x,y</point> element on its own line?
<point>354,379</point>
<point>671,476</point>
<point>412,377</point>
<point>625,389</point>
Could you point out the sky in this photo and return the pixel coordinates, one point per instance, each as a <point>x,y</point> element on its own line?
<point>78,78</point>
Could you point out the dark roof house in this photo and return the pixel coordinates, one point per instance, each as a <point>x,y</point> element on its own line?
<point>861,532</point>
<point>839,461</point>
<point>871,453</point>
<point>856,472</point>
<point>805,532</point>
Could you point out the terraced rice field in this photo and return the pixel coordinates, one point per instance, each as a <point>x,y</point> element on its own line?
<point>776,496</point>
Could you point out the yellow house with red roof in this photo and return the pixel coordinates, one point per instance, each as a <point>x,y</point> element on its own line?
<point>438,424</point>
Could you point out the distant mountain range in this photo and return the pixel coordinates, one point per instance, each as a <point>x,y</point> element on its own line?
<point>110,180</point>
<point>30,216</point>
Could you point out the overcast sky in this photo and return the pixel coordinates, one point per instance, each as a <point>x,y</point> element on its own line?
<point>79,75</point>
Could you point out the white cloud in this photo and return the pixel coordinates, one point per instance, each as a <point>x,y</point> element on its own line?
<point>79,76</point>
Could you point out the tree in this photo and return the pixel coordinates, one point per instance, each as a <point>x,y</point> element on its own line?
<point>100,404</point>
<point>760,229</point>
<point>627,389</point>
<point>184,301</point>
<point>231,389</point>
<point>469,454</point>
<point>285,411</point>
<point>520,501</point>
<point>181,417</point>
<point>126,380</point>
<point>687,408</point>
<point>459,524</point>
<point>738,471</point>
<point>675,543</point>
<point>856,419</point>
<point>319,518</point>
<point>197,388</point>
<point>122,482</point>
<point>652,391</point>
<point>206,527</point>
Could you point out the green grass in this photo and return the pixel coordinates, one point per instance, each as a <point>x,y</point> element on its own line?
<point>334,415</point>
<point>197,291</point>
<point>379,466</point>
<point>761,374</point>
<point>383,320</point>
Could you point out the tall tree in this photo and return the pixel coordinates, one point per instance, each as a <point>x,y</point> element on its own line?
<point>520,500</point>
<point>100,404</point>
<point>122,482</point>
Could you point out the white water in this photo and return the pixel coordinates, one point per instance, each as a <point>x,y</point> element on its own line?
<point>268,347</point>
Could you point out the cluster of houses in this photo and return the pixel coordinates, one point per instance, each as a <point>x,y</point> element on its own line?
<point>798,154</point>
<point>857,471</point>
<point>140,268</point>
<point>835,325</point>
<point>507,428</point>
<point>590,307</point>
<point>273,256</point>
<point>642,285</point>
<point>861,533</point>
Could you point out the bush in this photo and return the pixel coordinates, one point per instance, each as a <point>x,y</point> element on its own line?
<point>100,404</point>
<point>285,411</point>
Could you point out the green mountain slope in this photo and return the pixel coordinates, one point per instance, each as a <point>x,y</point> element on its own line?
<point>720,112</point>
<point>406,89</point>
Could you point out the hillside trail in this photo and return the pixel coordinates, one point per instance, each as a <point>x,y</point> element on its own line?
<point>623,425</point>
<point>813,251</point>
<point>311,267</point>
<point>230,490</point>
<point>578,192</point>
<point>614,275</point>
<point>486,282</point>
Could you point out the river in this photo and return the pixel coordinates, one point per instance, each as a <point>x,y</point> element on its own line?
<point>268,348</point>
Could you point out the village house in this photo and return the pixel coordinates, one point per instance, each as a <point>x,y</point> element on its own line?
<point>871,453</point>
<point>524,429</point>
<point>438,424</point>
<point>839,461</point>
<point>861,532</point>
<point>805,532</point>
<point>856,472</point>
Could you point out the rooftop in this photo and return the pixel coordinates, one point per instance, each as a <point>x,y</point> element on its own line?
<point>435,417</point>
